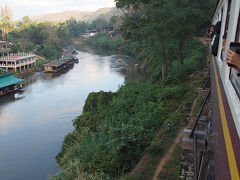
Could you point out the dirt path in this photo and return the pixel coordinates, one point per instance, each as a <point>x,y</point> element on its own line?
<point>167,156</point>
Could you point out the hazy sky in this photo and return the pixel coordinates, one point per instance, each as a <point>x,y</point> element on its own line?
<point>22,8</point>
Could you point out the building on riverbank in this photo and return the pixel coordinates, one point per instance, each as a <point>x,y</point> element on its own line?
<point>15,61</point>
<point>18,62</point>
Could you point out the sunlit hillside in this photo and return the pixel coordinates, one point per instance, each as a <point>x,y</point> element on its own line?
<point>105,13</point>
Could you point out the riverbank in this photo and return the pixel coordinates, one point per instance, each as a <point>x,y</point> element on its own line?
<point>104,41</point>
<point>117,129</point>
<point>40,61</point>
<point>36,120</point>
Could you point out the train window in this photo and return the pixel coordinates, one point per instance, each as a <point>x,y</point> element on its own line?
<point>226,29</point>
<point>237,38</point>
<point>228,15</point>
<point>234,74</point>
<point>221,13</point>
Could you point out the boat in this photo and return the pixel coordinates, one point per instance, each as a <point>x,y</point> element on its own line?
<point>9,84</point>
<point>58,65</point>
<point>75,58</point>
<point>71,54</point>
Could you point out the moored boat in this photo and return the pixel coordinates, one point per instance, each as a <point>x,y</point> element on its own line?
<point>9,84</point>
<point>58,65</point>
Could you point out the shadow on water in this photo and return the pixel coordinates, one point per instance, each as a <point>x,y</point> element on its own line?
<point>125,64</point>
<point>29,77</point>
<point>9,98</point>
<point>96,51</point>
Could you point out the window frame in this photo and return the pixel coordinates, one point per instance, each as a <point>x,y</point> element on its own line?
<point>236,83</point>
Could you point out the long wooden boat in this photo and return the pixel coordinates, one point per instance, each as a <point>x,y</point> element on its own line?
<point>71,54</point>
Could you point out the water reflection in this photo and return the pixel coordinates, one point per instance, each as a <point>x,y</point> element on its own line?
<point>10,98</point>
<point>34,123</point>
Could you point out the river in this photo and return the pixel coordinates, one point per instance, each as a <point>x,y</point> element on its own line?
<point>33,124</point>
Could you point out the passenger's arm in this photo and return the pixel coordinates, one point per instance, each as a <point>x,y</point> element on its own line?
<point>233,58</point>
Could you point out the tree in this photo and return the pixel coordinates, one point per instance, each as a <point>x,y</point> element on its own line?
<point>159,24</point>
<point>188,17</point>
<point>73,27</point>
<point>100,24</point>
<point>113,21</point>
<point>148,23</point>
<point>26,20</point>
<point>5,20</point>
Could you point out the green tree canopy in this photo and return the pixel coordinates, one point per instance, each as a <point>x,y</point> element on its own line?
<point>159,25</point>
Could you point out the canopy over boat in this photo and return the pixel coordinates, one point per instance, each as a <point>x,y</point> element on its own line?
<point>8,79</point>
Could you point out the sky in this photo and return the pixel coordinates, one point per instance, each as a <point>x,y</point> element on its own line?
<point>30,8</point>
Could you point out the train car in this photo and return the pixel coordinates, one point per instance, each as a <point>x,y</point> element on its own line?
<point>216,147</point>
<point>225,93</point>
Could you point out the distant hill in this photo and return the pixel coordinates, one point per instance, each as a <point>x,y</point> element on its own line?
<point>105,13</point>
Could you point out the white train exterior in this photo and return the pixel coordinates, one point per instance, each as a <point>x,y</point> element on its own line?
<point>232,29</point>
<point>225,94</point>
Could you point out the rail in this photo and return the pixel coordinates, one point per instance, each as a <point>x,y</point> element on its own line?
<point>193,135</point>
<point>202,165</point>
<point>195,157</point>
<point>199,114</point>
<point>205,85</point>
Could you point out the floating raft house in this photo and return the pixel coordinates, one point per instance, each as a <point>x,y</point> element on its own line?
<point>58,65</point>
<point>8,80</point>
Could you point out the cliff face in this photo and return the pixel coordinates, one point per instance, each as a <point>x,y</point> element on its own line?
<point>87,16</point>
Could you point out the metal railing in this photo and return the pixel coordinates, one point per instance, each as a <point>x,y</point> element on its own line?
<point>17,56</point>
<point>195,157</point>
<point>193,135</point>
<point>199,114</point>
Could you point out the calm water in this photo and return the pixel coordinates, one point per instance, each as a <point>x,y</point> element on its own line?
<point>34,123</point>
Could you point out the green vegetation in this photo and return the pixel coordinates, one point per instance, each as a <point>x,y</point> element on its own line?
<point>40,62</point>
<point>5,21</point>
<point>46,38</point>
<point>157,32</point>
<point>172,168</point>
<point>116,129</point>
<point>102,40</point>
